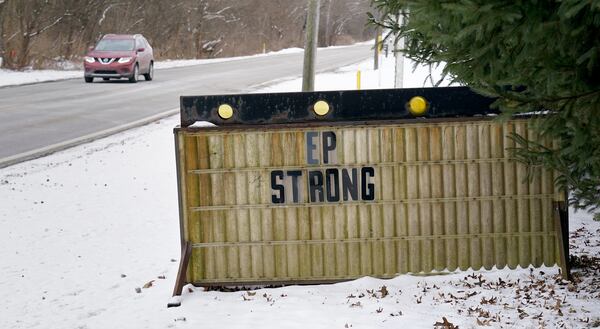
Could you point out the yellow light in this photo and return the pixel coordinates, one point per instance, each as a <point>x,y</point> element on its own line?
<point>418,105</point>
<point>321,108</point>
<point>225,111</point>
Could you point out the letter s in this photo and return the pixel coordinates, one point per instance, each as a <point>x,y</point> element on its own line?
<point>277,187</point>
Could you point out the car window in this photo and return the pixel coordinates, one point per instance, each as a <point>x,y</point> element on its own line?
<point>143,43</point>
<point>115,45</point>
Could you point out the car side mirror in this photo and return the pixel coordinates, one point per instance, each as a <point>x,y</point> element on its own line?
<point>140,50</point>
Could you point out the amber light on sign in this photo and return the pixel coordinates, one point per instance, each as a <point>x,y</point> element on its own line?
<point>321,108</point>
<point>225,111</point>
<point>417,105</point>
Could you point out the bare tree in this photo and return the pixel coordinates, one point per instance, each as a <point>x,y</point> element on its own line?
<point>33,19</point>
<point>344,21</point>
<point>40,32</point>
<point>327,37</point>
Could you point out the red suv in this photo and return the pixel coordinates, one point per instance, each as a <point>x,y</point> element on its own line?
<point>119,56</point>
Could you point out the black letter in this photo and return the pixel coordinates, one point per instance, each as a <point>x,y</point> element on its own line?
<point>368,190</point>
<point>315,184</point>
<point>310,146</point>
<point>336,185</point>
<point>277,187</point>
<point>295,174</point>
<point>329,144</point>
<point>350,185</point>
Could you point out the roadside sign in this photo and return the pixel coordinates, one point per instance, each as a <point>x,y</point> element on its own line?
<point>288,190</point>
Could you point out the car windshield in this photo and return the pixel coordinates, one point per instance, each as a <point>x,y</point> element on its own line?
<point>115,45</point>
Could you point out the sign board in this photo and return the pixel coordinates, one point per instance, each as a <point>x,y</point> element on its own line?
<point>332,200</point>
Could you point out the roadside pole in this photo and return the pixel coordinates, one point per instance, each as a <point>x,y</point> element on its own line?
<point>310,46</point>
<point>398,45</point>
<point>376,53</point>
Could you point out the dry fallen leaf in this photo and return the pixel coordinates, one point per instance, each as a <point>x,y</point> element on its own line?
<point>384,292</point>
<point>483,322</point>
<point>445,324</point>
<point>357,304</point>
<point>491,301</point>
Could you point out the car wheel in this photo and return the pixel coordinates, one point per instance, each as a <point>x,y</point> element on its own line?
<point>136,72</point>
<point>150,75</point>
<point>88,79</point>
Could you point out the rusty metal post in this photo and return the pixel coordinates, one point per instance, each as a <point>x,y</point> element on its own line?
<point>186,252</point>
<point>561,214</point>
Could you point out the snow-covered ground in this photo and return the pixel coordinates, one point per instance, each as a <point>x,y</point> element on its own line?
<point>345,78</point>
<point>11,78</point>
<point>90,239</point>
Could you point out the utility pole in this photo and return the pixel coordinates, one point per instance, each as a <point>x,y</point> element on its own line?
<point>377,44</point>
<point>310,46</point>
<point>398,45</point>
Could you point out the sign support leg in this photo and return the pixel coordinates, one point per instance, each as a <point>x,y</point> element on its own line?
<point>561,215</point>
<point>186,251</point>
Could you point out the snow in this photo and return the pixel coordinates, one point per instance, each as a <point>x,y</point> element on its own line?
<point>90,239</point>
<point>10,77</point>
<point>345,78</point>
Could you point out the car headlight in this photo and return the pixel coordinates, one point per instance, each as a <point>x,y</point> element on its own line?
<point>89,59</point>
<point>124,59</point>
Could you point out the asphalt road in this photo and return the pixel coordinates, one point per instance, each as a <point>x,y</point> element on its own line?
<point>44,116</point>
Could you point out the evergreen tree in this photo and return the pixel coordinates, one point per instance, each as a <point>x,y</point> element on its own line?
<point>536,56</point>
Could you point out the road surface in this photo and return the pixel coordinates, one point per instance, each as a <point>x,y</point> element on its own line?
<point>41,117</point>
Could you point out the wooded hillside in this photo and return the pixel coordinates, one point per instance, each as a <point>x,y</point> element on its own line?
<point>42,33</point>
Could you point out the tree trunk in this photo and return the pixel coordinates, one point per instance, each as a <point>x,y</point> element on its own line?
<point>328,37</point>
<point>1,42</point>
<point>68,42</point>
<point>198,42</point>
<point>2,20</point>
<point>24,52</point>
